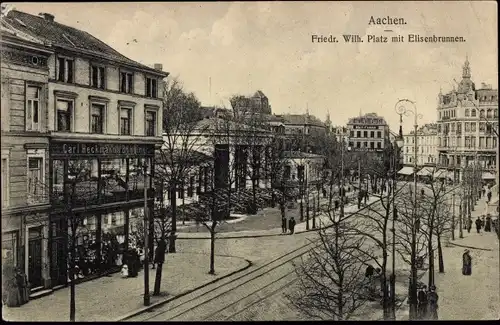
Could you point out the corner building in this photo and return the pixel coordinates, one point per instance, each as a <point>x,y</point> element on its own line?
<point>104,116</point>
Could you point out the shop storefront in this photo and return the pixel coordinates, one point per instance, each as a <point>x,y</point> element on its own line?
<point>97,195</point>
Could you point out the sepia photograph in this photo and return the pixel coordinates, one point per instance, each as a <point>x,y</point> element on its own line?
<point>249,161</point>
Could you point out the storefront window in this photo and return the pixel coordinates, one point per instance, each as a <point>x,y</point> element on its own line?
<point>136,178</point>
<point>83,178</point>
<point>58,180</point>
<point>114,179</point>
<point>113,239</point>
<point>86,245</point>
<point>136,228</point>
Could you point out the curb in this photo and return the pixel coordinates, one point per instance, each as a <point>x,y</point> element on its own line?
<point>163,302</point>
<point>472,247</point>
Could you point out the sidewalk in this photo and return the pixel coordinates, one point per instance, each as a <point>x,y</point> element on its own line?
<point>475,297</point>
<point>299,228</point>
<point>111,298</point>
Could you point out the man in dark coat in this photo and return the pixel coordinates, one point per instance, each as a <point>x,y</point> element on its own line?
<point>291,225</point>
<point>422,303</point>
<point>487,226</point>
<point>160,252</point>
<point>466,263</point>
<point>337,203</point>
<point>489,196</point>
<point>433,298</point>
<point>283,224</point>
<point>478,225</point>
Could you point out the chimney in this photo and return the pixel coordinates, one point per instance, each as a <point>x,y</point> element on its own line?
<point>158,66</point>
<point>47,17</point>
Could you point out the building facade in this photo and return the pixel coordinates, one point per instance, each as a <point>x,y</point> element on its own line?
<point>368,133</point>
<point>467,122</point>
<point>25,144</point>
<point>427,153</point>
<point>104,114</point>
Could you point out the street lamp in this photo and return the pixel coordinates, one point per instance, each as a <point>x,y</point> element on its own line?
<point>395,164</point>
<point>401,109</point>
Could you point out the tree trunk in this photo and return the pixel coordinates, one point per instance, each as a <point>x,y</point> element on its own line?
<point>254,196</point>
<point>173,203</point>
<point>440,254</point>
<point>157,288</point>
<point>212,251</point>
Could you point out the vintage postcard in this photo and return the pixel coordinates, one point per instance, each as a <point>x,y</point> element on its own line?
<point>249,161</point>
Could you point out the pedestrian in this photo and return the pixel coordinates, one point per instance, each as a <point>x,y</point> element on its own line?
<point>283,224</point>
<point>466,263</point>
<point>488,196</point>
<point>487,226</point>
<point>291,225</point>
<point>470,225</point>
<point>366,196</point>
<point>478,225</point>
<point>432,298</point>
<point>160,251</point>
<point>483,222</point>
<point>369,271</point>
<point>422,303</point>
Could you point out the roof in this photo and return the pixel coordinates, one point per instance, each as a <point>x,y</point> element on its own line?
<point>259,94</point>
<point>214,123</point>
<point>301,119</point>
<point>63,36</point>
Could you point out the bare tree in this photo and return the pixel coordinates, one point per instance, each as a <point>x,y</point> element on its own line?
<point>411,241</point>
<point>182,135</point>
<point>331,281</point>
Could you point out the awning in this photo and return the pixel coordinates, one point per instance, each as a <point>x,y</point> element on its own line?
<point>442,173</point>
<point>406,171</point>
<point>426,171</point>
<point>488,176</point>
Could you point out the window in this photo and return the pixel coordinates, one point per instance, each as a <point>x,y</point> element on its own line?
<point>459,128</point>
<point>358,144</point>
<point>125,121</point>
<point>365,134</point>
<point>65,70</point>
<point>489,113</point>
<point>10,242</point>
<point>473,127</point>
<point>473,142</point>
<point>495,113</point>
<point>33,108</point>
<point>352,134</point>
<point>365,144</point>
<point>35,179</point>
<point>5,182</point>
<point>151,87</point>
<point>97,118</point>
<point>372,145</point>
<point>473,113</point>
<point>64,115</point>
<point>488,142</point>
<point>452,127</point>
<point>287,172</point>
<point>481,113</point>
<point>351,144</point>
<point>482,126</point>
<point>467,127</point>
<point>481,142</point>
<point>372,134</point>
<point>126,82</point>
<point>190,189</point>
<point>379,134</point>
<point>150,128</point>
<point>358,134</point>
<point>98,77</point>
<point>467,112</point>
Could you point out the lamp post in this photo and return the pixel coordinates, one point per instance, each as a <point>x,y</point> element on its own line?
<point>395,166</point>
<point>147,301</point>
<point>401,109</point>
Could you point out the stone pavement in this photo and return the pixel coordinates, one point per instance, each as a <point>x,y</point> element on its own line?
<point>299,228</point>
<point>110,298</point>
<point>475,297</point>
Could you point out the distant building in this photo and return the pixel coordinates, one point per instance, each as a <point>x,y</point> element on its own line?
<point>258,103</point>
<point>368,133</point>
<point>427,153</point>
<point>467,122</point>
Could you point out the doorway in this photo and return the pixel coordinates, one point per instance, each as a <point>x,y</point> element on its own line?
<point>35,257</point>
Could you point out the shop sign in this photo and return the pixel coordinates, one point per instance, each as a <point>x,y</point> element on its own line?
<point>101,149</point>
<point>368,149</point>
<point>366,127</point>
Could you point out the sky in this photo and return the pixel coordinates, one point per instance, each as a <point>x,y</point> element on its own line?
<point>221,49</point>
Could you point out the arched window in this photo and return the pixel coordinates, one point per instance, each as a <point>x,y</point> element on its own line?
<point>489,113</point>
<point>473,113</point>
<point>481,113</point>
<point>495,113</point>
<point>467,112</point>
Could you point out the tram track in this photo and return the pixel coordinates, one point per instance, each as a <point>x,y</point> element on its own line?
<point>238,290</point>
